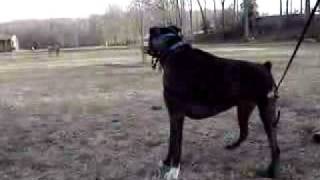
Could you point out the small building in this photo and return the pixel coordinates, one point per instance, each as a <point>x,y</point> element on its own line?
<point>8,43</point>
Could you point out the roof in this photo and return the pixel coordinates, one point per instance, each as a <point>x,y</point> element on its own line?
<point>5,37</point>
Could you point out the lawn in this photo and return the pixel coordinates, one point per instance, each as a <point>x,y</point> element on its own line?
<point>87,115</point>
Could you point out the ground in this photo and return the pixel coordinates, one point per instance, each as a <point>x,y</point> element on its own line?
<point>99,115</point>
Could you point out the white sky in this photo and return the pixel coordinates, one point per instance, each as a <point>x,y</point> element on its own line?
<point>43,9</point>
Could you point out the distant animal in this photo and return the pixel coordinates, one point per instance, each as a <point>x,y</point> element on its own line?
<point>54,48</point>
<point>198,85</point>
<point>35,46</point>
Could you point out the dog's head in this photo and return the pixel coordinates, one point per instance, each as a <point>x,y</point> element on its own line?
<point>162,38</point>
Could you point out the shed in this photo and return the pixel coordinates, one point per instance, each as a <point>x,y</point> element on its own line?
<point>8,43</point>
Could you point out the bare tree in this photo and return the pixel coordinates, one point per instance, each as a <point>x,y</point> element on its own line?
<point>190,16</point>
<point>205,8</point>
<point>287,7</point>
<point>178,16</point>
<point>234,10</point>
<point>138,6</point>
<point>246,19</point>
<point>183,13</point>
<point>280,7</point>
<point>237,9</point>
<point>204,19</point>
<point>215,10</point>
<point>222,16</point>
<point>307,8</point>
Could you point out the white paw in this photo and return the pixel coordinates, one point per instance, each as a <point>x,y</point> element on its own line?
<point>172,174</point>
<point>168,173</point>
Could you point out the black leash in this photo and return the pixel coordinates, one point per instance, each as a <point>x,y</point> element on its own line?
<point>305,29</point>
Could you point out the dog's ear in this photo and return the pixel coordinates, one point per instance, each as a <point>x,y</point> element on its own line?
<point>174,29</point>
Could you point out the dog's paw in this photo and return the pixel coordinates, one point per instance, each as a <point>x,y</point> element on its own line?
<point>271,172</point>
<point>173,174</point>
<point>168,173</point>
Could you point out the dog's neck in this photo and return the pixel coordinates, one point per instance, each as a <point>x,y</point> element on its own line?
<point>176,45</point>
<point>172,48</point>
<point>159,60</point>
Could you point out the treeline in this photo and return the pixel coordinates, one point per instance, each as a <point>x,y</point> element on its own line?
<point>118,26</point>
<point>129,26</point>
<point>66,32</point>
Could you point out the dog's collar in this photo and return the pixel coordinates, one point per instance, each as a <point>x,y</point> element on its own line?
<point>173,48</point>
<point>177,45</point>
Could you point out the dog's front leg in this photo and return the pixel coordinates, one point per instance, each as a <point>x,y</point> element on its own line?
<point>171,165</point>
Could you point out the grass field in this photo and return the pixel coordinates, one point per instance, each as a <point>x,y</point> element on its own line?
<point>87,115</point>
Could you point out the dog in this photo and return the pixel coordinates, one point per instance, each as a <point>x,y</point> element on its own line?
<point>198,85</point>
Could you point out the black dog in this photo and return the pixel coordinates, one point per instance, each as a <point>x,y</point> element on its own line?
<point>199,85</point>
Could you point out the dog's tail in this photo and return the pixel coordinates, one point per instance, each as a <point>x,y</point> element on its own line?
<point>268,65</point>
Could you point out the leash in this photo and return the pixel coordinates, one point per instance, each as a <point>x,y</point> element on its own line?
<point>302,37</point>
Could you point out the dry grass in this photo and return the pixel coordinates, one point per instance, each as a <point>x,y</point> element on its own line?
<point>90,115</point>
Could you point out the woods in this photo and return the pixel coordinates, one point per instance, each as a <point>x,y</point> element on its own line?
<point>127,26</point>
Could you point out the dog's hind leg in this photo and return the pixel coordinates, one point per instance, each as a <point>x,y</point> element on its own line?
<point>244,110</point>
<point>267,109</point>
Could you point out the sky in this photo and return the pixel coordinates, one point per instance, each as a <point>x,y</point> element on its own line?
<point>44,9</point>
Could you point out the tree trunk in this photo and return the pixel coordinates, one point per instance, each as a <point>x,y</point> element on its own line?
<point>163,17</point>
<point>301,5</point>
<point>179,17</point>
<point>246,20</point>
<point>287,7</point>
<point>183,15</point>
<point>215,11</point>
<point>205,8</point>
<point>237,9</point>
<point>234,11</point>
<point>204,20</point>
<point>141,30</point>
<point>280,7</point>
<point>190,14</point>
<point>307,11</point>
<point>222,5</point>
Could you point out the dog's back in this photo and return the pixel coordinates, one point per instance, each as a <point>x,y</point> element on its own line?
<point>203,77</point>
